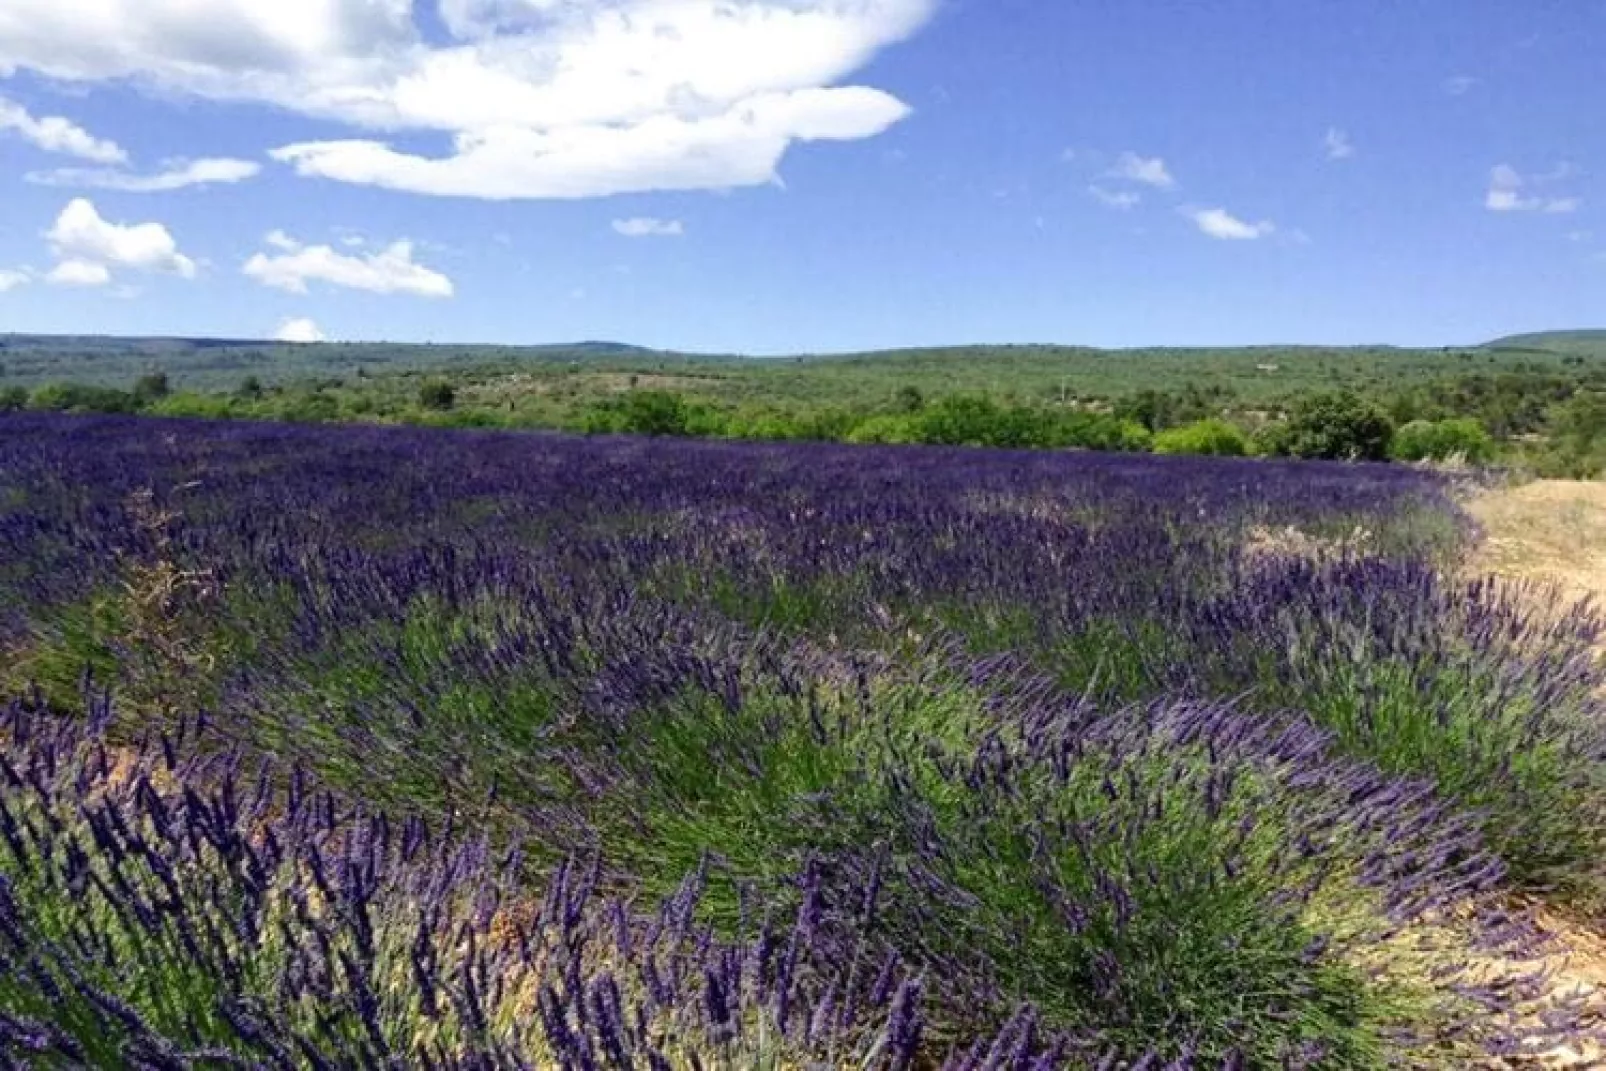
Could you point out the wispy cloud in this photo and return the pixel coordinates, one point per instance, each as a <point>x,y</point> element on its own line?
<point>1458,85</point>
<point>1509,191</point>
<point>648,227</point>
<point>11,278</point>
<point>177,175</point>
<point>55,134</point>
<point>1150,171</point>
<point>1122,199</point>
<point>1337,144</point>
<point>1220,224</point>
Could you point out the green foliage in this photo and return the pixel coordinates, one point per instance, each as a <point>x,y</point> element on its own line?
<point>208,406</point>
<point>1338,426</point>
<point>639,412</point>
<point>1428,440</point>
<point>250,387</point>
<point>151,387</point>
<point>886,428</point>
<point>1213,437</point>
<point>79,398</point>
<point>437,394</point>
<point>13,399</point>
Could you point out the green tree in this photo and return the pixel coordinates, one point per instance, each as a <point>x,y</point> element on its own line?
<point>151,387</point>
<point>1338,426</point>
<point>1439,440</point>
<point>1211,437</point>
<point>437,394</point>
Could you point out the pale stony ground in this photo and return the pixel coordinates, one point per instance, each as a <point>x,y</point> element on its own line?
<point>1554,532</point>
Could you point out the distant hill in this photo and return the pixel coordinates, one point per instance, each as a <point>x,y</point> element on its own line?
<point>1253,374</point>
<point>1567,343</point>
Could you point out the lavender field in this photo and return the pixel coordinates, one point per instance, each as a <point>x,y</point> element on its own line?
<point>378,747</point>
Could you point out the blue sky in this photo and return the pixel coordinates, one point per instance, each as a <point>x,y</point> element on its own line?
<point>774,176</point>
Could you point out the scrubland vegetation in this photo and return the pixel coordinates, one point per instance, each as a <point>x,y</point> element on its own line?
<point>364,746</point>
<point>1535,403</point>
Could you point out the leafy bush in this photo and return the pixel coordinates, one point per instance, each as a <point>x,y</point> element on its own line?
<point>437,394</point>
<point>1212,437</point>
<point>12,399</point>
<point>885,428</point>
<point>150,388</point>
<point>1340,426</point>
<point>79,398</point>
<point>1428,440</point>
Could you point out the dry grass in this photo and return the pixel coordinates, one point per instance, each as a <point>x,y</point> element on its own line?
<point>1548,530</point>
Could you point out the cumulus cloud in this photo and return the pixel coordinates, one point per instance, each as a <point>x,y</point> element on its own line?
<point>1508,191</point>
<point>79,273</point>
<point>1122,199</point>
<point>542,98</point>
<point>299,329</point>
<point>391,270</point>
<point>647,227</point>
<point>55,134</point>
<point>1151,171</point>
<point>1337,144</point>
<point>90,249</point>
<point>11,278</point>
<point>176,175</point>
<point>1221,224</point>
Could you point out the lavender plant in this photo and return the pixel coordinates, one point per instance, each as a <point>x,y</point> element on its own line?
<point>1044,760</point>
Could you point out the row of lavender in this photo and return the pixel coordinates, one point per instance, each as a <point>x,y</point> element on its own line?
<point>760,665</point>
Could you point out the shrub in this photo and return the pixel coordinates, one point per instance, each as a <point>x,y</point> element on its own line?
<point>79,398</point>
<point>150,388</point>
<point>1212,437</point>
<point>437,394</point>
<point>1427,440</point>
<point>13,399</point>
<point>884,428</point>
<point>1340,426</point>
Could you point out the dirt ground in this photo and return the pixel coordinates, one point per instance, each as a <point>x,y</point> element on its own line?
<point>1551,530</point>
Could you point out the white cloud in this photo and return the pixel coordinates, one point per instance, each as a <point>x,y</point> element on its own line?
<point>1122,199</point>
<point>79,273</point>
<point>544,98</point>
<point>177,175</point>
<point>1508,186</point>
<point>739,147</point>
<point>1219,223</point>
<point>1459,85</point>
<point>1337,144</point>
<point>89,249</point>
<point>55,134</point>
<point>1151,171</point>
<point>11,278</point>
<point>299,329</point>
<point>391,270</point>
<point>646,227</point>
